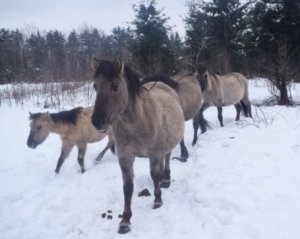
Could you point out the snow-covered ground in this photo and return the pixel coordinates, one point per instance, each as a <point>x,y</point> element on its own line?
<point>241,181</point>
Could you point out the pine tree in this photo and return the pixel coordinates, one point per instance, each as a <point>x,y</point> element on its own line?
<point>276,34</point>
<point>151,44</point>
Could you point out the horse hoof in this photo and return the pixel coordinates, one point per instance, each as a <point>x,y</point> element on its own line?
<point>181,159</point>
<point>82,170</point>
<point>165,184</point>
<point>123,229</point>
<point>156,205</point>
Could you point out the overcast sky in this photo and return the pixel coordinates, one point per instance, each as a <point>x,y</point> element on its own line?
<point>66,15</point>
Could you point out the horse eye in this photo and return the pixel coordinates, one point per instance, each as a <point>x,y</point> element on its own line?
<point>39,127</point>
<point>114,87</point>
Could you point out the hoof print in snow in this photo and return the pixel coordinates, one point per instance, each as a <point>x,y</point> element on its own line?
<point>109,217</point>
<point>109,211</point>
<point>120,216</point>
<point>144,193</point>
<point>103,215</point>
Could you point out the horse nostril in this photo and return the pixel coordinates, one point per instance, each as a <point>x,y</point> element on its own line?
<point>99,123</point>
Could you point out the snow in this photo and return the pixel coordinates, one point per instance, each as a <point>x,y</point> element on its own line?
<point>241,181</point>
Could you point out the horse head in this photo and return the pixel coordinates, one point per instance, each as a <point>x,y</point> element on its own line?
<point>112,92</point>
<point>39,129</point>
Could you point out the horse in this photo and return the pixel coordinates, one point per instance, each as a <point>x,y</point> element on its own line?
<point>189,91</point>
<point>147,121</point>
<point>74,128</point>
<point>223,90</point>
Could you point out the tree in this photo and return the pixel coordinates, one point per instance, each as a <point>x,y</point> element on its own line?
<point>56,54</point>
<point>276,33</point>
<point>151,45</point>
<point>213,33</point>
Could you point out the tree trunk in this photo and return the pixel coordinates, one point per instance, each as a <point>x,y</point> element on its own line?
<point>283,97</point>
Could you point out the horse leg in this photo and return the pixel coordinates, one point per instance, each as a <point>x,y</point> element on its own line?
<point>202,121</point>
<point>184,152</point>
<point>199,120</point>
<point>166,180</point>
<point>126,164</point>
<point>156,173</point>
<point>196,127</point>
<point>238,111</point>
<point>80,158</point>
<point>220,116</point>
<point>101,154</point>
<point>65,151</point>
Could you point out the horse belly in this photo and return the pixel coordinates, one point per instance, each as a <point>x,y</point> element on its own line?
<point>232,94</point>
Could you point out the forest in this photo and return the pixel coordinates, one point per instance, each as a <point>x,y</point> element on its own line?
<point>257,38</point>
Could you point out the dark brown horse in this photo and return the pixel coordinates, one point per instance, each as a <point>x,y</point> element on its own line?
<point>146,121</point>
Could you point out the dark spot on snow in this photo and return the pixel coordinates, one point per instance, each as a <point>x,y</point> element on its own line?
<point>144,193</point>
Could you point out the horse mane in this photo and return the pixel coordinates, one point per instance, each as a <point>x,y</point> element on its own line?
<point>133,82</point>
<point>34,116</point>
<point>68,116</point>
<point>110,72</point>
<point>161,78</point>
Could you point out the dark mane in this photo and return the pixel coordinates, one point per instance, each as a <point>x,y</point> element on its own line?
<point>133,82</point>
<point>161,78</point>
<point>110,72</point>
<point>68,116</point>
<point>107,69</point>
<point>34,116</point>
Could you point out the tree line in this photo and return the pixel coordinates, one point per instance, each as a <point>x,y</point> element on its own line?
<point>255,37</point>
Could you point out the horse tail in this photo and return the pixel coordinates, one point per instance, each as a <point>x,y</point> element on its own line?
<point>244,108</point>
<point>161,78</point>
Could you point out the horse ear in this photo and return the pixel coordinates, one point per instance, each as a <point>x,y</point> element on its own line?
<point>95,63</point>
<point>119,64</point>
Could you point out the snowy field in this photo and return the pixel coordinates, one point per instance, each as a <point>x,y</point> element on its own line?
<point>241,181</point>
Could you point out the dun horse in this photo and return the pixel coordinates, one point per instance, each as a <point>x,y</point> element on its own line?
<point>224,90</point>
<point>189,92</point>
<point>74,128</point>
<point>147,121</point>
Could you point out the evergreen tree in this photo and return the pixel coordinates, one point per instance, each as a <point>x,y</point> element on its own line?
<point>36,56</point>
<point>276,34</point>
<point>56,55</point>
<point>151,44</point>
<point>213,33</point>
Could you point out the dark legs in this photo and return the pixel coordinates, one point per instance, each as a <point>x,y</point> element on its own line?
<point>184,152</point>
<point>156,175</point>
<point>126,164</point>
<point>166,180</point>
<point>199,120</point>
<point>238,111</point>
<point>220,116</point>
<point>65,151</point>
<point>81,153</point>
<point>101,154</point>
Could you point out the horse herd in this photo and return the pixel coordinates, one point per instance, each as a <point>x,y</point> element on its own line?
<point>142,118</point>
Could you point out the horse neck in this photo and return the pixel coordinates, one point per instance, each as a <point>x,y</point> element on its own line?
<point>58,127</point>
<point>134,110</point>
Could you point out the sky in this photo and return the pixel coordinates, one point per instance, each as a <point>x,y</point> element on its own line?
<point>66,15</point>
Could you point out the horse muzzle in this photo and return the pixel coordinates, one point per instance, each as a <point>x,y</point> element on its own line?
<point>100,124</point>
<point>31,144</point>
